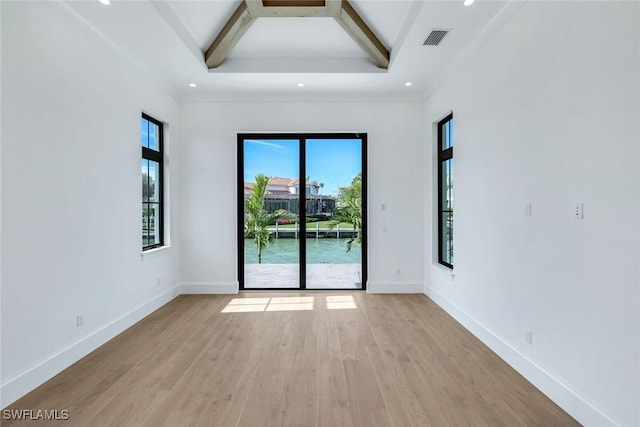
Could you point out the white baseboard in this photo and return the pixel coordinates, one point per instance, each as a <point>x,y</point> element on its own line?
<point>27,380</point>
<point>209,288</point>
<point>576,405</point>
<point>395,288</point>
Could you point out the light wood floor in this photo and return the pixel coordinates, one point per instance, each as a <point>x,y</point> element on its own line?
<point>295,359</point>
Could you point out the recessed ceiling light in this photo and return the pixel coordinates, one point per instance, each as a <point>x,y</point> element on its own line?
<point>300,84</point>
<point>407,84</point>
<point>468,2</point>
<point>192,84</point>
<point>105,2</point>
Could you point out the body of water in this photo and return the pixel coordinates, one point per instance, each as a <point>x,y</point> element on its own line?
<point>319,251</point>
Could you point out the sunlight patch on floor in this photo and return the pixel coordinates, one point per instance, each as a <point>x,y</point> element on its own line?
<point>243,308</point>
<point>341,302</point>
<point>295,303</point>
<point>249,305</point>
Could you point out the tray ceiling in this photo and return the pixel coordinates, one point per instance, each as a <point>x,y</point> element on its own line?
<point>167,41</point>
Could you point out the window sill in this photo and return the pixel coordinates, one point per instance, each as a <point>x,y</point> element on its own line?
<point>153,252</point>
<point>444,269</point>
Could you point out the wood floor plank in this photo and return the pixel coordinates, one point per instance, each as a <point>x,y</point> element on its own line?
<point>294,359</point>
<point>339,391</point>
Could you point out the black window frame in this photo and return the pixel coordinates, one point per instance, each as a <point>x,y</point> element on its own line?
<point>444,154</point>
<point>156,156</point>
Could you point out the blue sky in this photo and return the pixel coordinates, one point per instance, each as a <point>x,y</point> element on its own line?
<point>148,134</point>
<point>333,162</point>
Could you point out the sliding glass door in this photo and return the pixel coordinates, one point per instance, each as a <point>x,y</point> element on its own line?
<point>302,233</point>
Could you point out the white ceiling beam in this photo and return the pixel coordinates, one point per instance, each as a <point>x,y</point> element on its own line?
<point>294,8</point>
<point>293,3</point>
<point>358,66</point>
<point>287,8</point>
<point>360,32</point>
<point>229,36</point>
<point>293,11</point>
<point>169,16</point>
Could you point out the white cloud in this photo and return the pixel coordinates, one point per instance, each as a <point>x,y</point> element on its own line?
<point>267,144</point>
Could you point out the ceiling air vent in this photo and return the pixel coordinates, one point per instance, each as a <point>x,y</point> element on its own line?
<point>435,37</point>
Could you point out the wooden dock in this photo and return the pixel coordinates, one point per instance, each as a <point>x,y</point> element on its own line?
<point>316,232</point>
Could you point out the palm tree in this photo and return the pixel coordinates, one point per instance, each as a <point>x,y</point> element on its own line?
<point>349,210</point>
<point>255,226</point>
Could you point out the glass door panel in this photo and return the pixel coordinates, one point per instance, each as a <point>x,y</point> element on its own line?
<point>334,195</point>
<point>271,243</point>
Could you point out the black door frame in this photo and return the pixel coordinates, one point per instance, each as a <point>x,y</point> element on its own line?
<point>302,211</point>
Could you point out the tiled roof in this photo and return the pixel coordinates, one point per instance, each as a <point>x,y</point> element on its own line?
<point>289,182</point>
<point>277,181</point>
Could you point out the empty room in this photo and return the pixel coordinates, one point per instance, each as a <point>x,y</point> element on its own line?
<point>241,212</point>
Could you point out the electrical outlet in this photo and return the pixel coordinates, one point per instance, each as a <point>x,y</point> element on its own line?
<point>579,211</point>
<point>527,209</point>
<point>159,282</point>
<point>528,336</point>
<point>397,271</point>
<point>79,320</point>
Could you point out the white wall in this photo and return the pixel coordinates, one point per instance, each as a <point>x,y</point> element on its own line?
<point>208,185</point>
<point>71,195</point>
<point>547,111</point>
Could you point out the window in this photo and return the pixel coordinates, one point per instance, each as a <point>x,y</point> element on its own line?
<point>152,184</point>
<point>445,191</point>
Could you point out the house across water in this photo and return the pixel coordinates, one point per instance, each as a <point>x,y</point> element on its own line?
<point>283,193</point>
